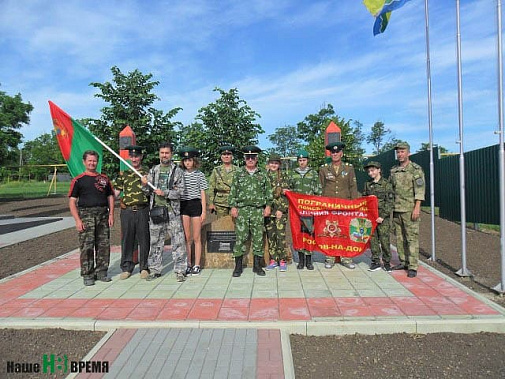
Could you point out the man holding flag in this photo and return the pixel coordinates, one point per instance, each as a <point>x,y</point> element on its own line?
<point>92,207</point>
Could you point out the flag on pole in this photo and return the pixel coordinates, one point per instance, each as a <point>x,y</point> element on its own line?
<point>381,10</point>
<point>73,139</point>
<point>333,226</point>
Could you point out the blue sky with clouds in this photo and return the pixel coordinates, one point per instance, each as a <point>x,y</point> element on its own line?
<point>286,58</point>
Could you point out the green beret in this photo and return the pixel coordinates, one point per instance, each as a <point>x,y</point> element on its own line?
<point>335,147</point>
<point>302,154</point>
<point>372,164</point>
<point>274,158</point>
<point>227,149</point>
<point>251,150</point>
<point>188,152</point>
<point>134,149</point>
<point>402,145</point>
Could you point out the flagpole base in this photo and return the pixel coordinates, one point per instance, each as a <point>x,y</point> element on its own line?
<point>463,273</point>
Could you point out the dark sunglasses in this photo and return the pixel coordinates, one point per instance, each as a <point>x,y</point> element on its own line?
<point>250,157</point>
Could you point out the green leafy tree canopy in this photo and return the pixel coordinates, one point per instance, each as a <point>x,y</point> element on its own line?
<point>285,140</point>
<point>131,100</point>
<point>13,114</point>
<point>228,120</point>
<point>312,131</point>
<point>379,135</point>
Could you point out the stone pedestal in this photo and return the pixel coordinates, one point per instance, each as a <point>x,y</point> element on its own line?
<point>218,239</point>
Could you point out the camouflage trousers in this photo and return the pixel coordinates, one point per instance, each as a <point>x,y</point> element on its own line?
<point>158,234</point>
<point>381,239</point>
<point>276,235</point>
<point>249,224</point>
<point>94,242</point>
<point>407,239</point>
<point>222,211</point>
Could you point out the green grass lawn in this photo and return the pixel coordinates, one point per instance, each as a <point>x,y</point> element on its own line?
<point>32,189</point>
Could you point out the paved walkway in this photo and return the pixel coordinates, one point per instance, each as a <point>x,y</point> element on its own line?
<point>235,326</point>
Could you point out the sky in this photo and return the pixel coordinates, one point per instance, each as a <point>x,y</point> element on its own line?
<point>288,59</point>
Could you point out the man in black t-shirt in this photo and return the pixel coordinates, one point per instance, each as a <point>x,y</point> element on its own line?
<point>91,202</point>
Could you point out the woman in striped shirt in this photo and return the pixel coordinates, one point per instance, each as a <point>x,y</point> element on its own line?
<point>193,206</point>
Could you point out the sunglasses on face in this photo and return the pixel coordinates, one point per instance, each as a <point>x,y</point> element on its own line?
<point>250,157</point>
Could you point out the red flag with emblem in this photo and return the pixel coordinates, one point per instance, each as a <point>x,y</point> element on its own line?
<point>73,139</point>
<point>333,226</point>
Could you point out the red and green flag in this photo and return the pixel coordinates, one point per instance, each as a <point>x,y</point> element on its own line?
<point>73,139</point>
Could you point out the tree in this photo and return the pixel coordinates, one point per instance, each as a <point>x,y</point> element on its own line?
<point>379,135</point>
<point>229,120</point>
<point>131,103</point>
<point>311,130</point>
<point>43,150</point>
<point>390,145</point>
<point>13,114</point>
<point>426,145</point>
<point>285,140</point>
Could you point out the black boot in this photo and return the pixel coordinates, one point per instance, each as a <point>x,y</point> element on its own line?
<point>238,266</point>
<point>257,266</point>
<point>308,262</point>
<point>301,260</point>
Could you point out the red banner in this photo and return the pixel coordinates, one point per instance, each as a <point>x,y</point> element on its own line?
<point>335,227</point>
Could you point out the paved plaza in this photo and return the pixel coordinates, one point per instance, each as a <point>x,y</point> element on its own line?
<point>235,326</point>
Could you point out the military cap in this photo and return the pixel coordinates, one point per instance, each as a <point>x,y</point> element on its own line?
<point>134,149</point>
<point>402,145</point>
<point>274,158</point>
<point>372,164</point>
<point>188,152</point>
<point>248,150</point>
<point>302,154</point>
<point>227,149</point>
<point>335,147</point>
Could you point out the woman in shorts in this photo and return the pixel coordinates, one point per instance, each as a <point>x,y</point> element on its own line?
<point>193,206</point>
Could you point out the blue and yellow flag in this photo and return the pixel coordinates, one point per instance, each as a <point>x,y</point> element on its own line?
<point>381,10</point>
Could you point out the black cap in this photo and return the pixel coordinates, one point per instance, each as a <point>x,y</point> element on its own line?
<point>227,149</point>
<point>188,152</point>
<point>134,149</point>
<point>335,147</point>
<point>249,150</point>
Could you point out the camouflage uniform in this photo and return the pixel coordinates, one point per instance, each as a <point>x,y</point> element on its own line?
<point>134,220</point>
<point>160,176</point>
<point>408,186</point>
<point>276,228</point>
<point>219,189</point>
<point>250,194</point>
<point>339,181</point>
<point>383,190</point>
<point>306,182</point>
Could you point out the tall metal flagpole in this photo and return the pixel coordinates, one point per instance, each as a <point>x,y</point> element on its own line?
<point>501,286</point>
<point>463,271</point>
<point>430,129</point>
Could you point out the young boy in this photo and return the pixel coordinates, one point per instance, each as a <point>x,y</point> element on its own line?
<point>383,190</point>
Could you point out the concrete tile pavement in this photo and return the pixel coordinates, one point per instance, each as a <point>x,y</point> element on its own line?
<point>190,323</point>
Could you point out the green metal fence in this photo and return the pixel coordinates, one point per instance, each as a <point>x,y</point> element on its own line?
<point>481,183</point>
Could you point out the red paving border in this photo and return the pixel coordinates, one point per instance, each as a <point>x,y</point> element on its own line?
<point>269,362</point>
<point>432,296</point>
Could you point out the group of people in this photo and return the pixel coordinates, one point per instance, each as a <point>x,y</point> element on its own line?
<point>171,199</point>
